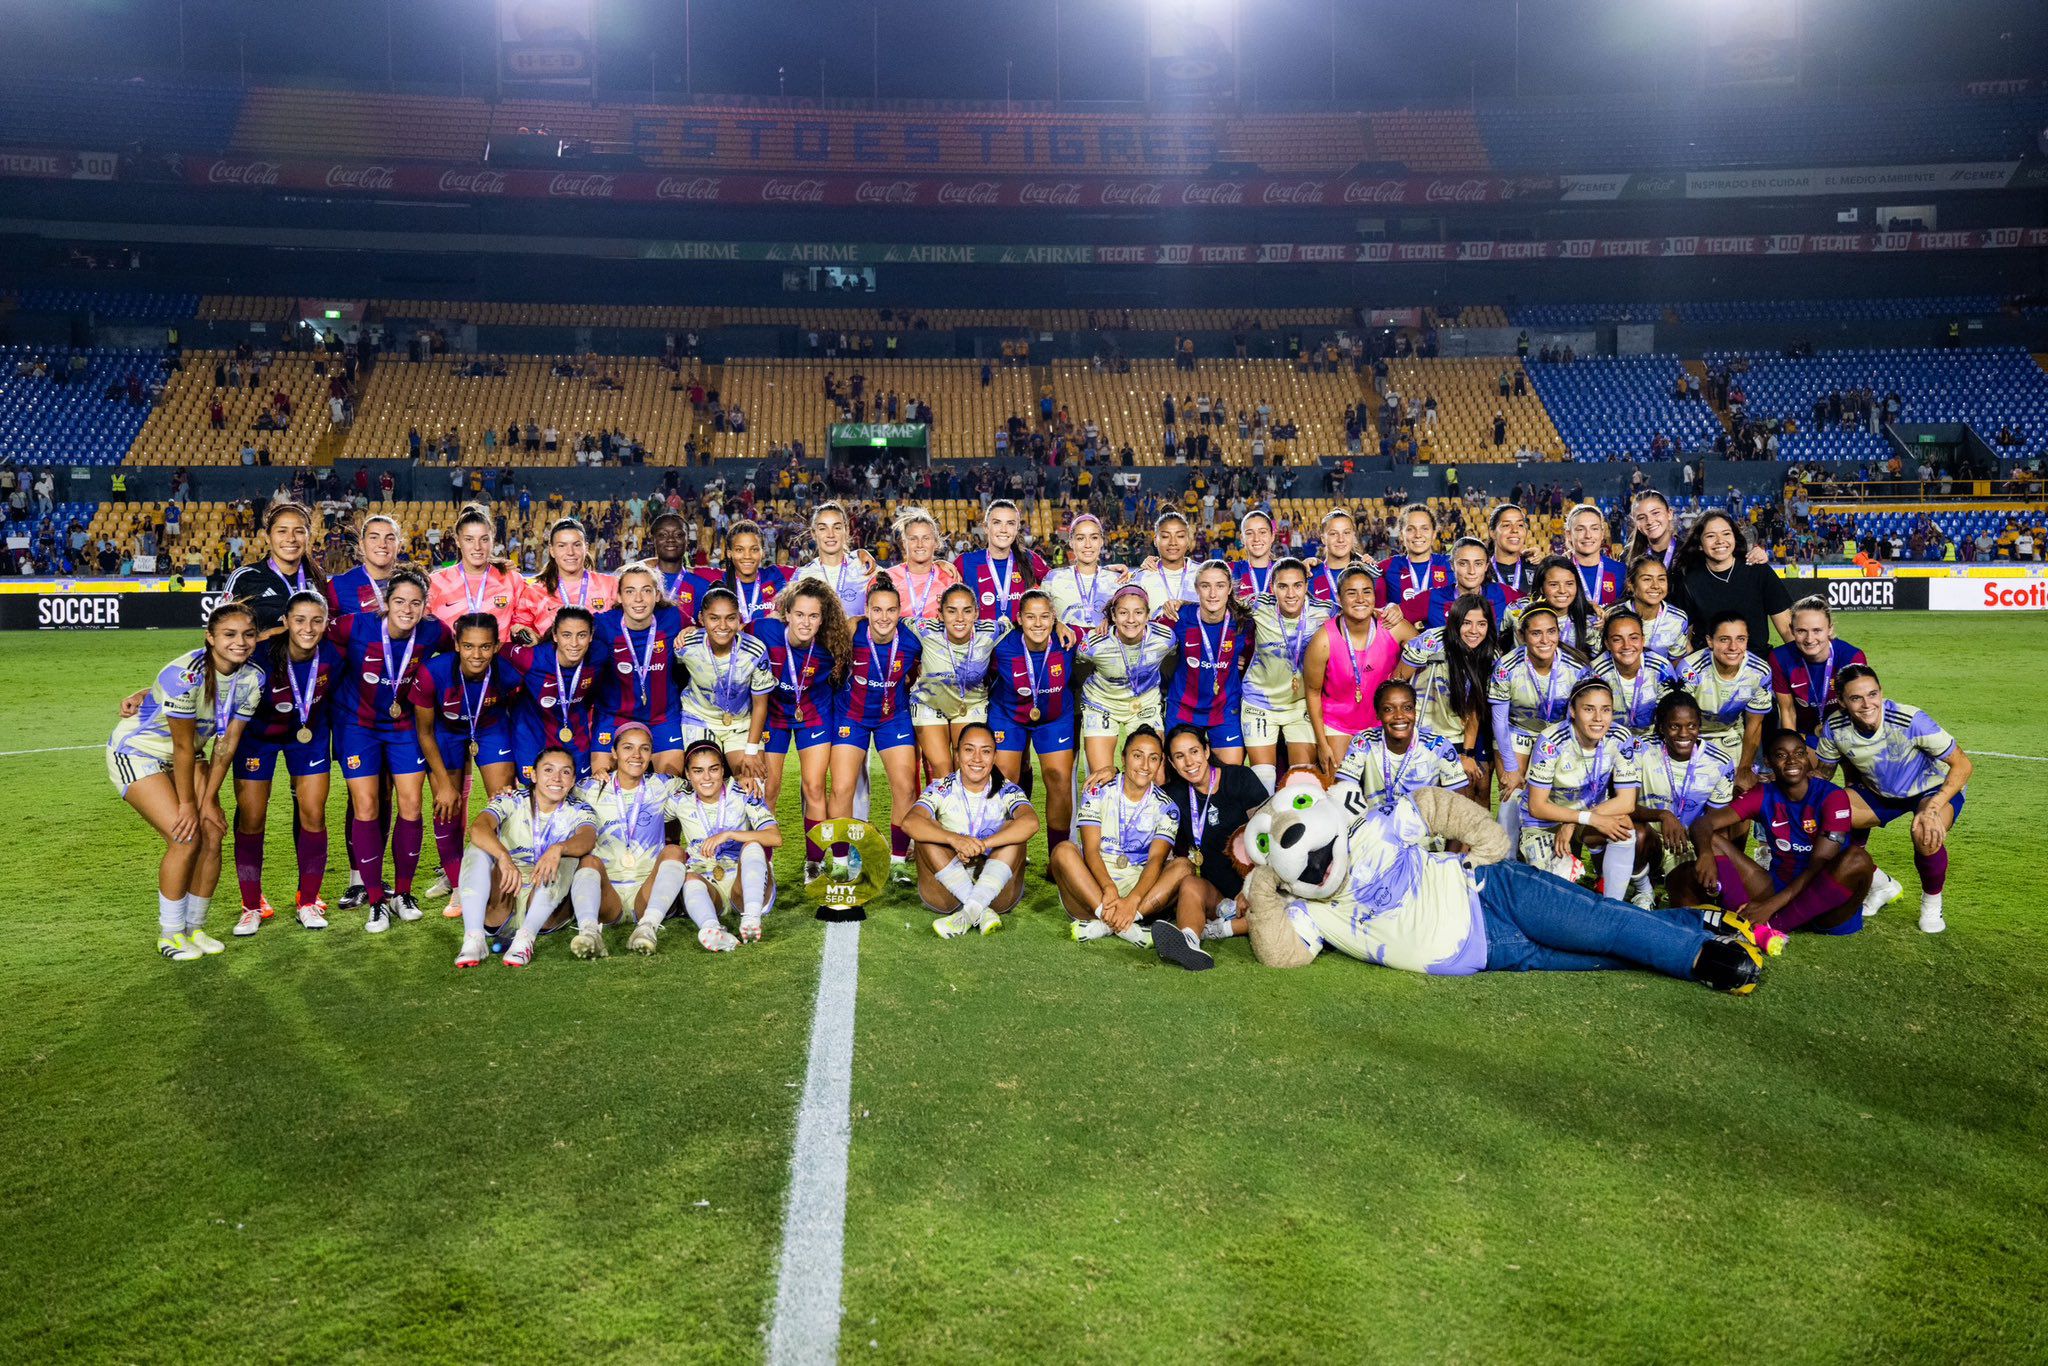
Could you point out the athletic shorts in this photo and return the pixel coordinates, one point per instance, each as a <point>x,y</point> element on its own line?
<point>724,876</point>
<point>528,742</point>
<point>1225,734</point>
<point>804,737</point>
<point>668,735</point>
<point>1539,850</point>
<point>1099,722</point>
<point>365,751</point>
<point>893,733</point>
<point>628,870</point>
<point>1124,874</point>
<point>922,716</point>
<point>126,770</point>
<point>256,760</point>
<point>492,747</point>
<point>727,736</point>
<point>1270,727</point>
<point>1889,809</point>
<point>1047,737</point>
<point>565,872</point>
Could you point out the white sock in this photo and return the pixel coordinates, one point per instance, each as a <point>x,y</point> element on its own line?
<point>478,874</point>
<point>955,878</point>
<point>1880,888</point>
<point>697,905</point>
<point>586,889</point>
<point>540,905</point>
<point>753,879</point>
<point>196,907</point>
<point>860,795</point>
<point>1269,774</point>
<point>661,897</point>
<point>170,914</point>
<point>1617,860</point>
<point>995,875</point>
<point>355,879</point>
<point>1511,825</point>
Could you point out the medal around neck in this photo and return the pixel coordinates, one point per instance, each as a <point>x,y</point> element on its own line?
<point>839,893</point>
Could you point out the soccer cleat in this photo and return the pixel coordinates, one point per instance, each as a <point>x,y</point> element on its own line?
<point>1730,924</point>
<point>1181,948</point>
<point>1640,893</point>
<point>438,888</point>
<point>404,907</point>
<point>475,948</point>
<point>1930,913</point>
<point>1729,964</point>
<point>203,941</point>
<point>264,908</point>
<point>179,948</point>
<point>901,873</point>
<point>1085,930</point>
<point>1884,890</point>
<point>718,939</point>
<point>990,923</point>
<point>1137,934</point>
<point>1217,929</point>
<point>1771,940</point>
<point>314,917</point>
<point>750,929</point>
<point>952,926</point>
<point>354,899</point>
<point>248,922</point>
<point>520,954</point>
<point>589,943</point>
<point>643,939</point>
<point>380,918</point>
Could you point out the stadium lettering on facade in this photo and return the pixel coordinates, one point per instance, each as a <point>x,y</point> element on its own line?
<point>472,182</point>
<point>701,188</point>
<point>359,178</point>
<point>242,173</point>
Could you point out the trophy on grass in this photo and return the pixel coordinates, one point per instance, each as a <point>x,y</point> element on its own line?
<point>846,885</point>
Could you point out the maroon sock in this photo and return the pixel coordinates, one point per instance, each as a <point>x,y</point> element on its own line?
<point>1734,896</point>
<point>407,835</point>
<point>1054,839</point>
<point>312,850</point>
<point>249,868</point>
<point>366,855</point>
<point>813,853</point>
<point>1822,895</point>
<point>899,843</point>
<point>1933,870</point>
<point>448,844</point>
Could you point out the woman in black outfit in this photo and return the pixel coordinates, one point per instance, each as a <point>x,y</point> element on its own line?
<point>1717,576</point>
<point>1215,800</point>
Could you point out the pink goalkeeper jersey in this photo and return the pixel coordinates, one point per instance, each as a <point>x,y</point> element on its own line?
<point>1353,673</point>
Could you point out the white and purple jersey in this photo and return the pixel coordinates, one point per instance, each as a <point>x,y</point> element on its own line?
<point>1903,759</point>
<point>847,580</point>
<point>977,815</point>
<point>179,694</point>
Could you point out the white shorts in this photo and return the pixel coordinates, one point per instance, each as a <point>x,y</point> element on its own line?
<point>1269,727</point>
<point>922,716</point>
<point>1125,876</point>
<point>727,736</point>
<point>126,770</point>
<point>1539,850</point>
<point>1099,722</point>
<point>628,871</point>
<point>565,872</point>
<point>724,877</point>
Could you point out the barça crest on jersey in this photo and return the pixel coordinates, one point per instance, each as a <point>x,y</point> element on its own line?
<point>252,763</point>
<point>355,761</point>
<point>845,732</point>
<point>1809,825</point>
<point>500,601</point>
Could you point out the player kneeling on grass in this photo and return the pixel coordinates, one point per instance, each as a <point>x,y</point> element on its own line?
<point>1124,871</point>
<point>1581,793</point>
<point>525,851</point>
<point>729,839</point>
<point>971,828</point>
<point>1336,869</point>
<point>1817,879</point>
<point>639,869</point>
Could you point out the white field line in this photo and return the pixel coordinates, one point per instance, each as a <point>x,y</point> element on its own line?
<point>54,749</point>
<point>805,1329</point>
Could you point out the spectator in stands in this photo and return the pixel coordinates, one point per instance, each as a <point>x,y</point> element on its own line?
<point>1500,429</point>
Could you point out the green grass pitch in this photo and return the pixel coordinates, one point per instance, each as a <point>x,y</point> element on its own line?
<point>333,1147</point>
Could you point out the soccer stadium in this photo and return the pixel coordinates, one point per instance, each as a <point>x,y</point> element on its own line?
<point>1024,683</point>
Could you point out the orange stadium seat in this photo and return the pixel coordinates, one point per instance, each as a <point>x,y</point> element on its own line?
<point>1467,393</point>
<point>374,126</point>
<point>1130,407</point>
<point>785,400</point>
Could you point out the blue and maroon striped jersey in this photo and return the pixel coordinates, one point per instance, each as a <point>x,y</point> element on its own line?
<point>552,694</point>
<point>684,588</point>
<point>802,699</point>
<point>1811,686</point>
<point>1248,582</point>
<point>998,584</point>
<point>456,699</point>
<point>1605,583</point>
<point>877,684</point>
<point>636,669</point>
<point>1412,585</point>
<point>277,713</point>
<point>1018,676</point>
<point>370,681</point>
<point>757,599</point>
<point>1204,678</point>
<point>353,590</point>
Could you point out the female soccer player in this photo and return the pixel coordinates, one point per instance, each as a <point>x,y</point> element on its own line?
<point>1637,677</point>
<point>567,580</point>
<point>1600,576</point>
<point>1451,667</point>
<point>729,841</point>
<point>1168,580</point>
<point>1716,576</point>
<point>1413,578</point>
<point>971,827</point>
<point>637,680</point>
<point>1339,556</point>
<point>1398,757</point>
<point>361,588</point>
<point>299,671</point>
<point>641,871</point>
<point>288,568</point>
<point>1031,704</point>
<point>462,713</point>
<point>1000,572</point>
<point>1666,628</point>
<point>1902,763</point>
<point>375,737</point>
<point>557,701</point>
<point>156,759</point>
<point>1528,694</point>
<point>1817,879</point>
<point>1558,588</point>
<point>1081,587</point>
<point>1733,689</point>
<point>952,686</point>
<point>845,571</point>
<point>1124,870</point>
<point>1203,682</point>
<point>1471,574</point>
<point>726,684</point>
<point>1214,801</point>
<point>808,649</point>
<point>1803,669</point>
<point>477,582</point>
<point>1506,566</point>
<point>525,850</point>
<point>1581,793</point>
<point>923,578</point>
<point>1275,701</point>
<point>755,582</point>
<point>1253,575</point>
<point>1681,777</point>
<point>873,709</point>
<point>1348,659</point>
<point>1120,686</point>
<point>1656,530</point>
<point>669,536</point>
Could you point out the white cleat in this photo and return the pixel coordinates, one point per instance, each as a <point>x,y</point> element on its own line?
<point>438,888</point>
<point>203,941</point>
<point>644,939</point>
<point>952,926</point>
<point>379,919</point>
<point>1640,893</point>
<point>475,948</point>
<point>248,922</point>
<point>718,939</point>
<point>1884,890</point>
<point>520,954</point>
<point>313,917</point>
<point>1930,913</point>
<point>1136,934</point>
<point>405,907</point>
<point>1085,930</point>
<point>750,929</point>
<point>179,948</point>
<point>589,943</point>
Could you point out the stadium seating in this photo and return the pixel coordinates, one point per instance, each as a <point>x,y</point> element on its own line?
<point>1306,144</point>
<point>785,400</point>
<point>110,115</point>
<point>1986,387</point>
<point>1442,140</point>
<point>1612,407</point>
<point>112,305</point>
<point>73,423</point>
<point>1129,407</point>
<point>1467,392</point>
<point>1756,310</point>
<point>179,431</point>
<point>255,308</point>
<point>374,125</point>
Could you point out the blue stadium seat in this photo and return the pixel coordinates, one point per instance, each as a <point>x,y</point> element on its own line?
<point>1984,387</point>
<point>45,423</point>
<point>1612,407</point>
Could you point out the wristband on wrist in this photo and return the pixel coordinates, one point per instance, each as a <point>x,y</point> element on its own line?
<point>1585,818</point>
<point>751,750</point>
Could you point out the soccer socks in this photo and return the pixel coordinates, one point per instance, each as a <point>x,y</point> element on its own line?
<point>1734,895</point>
<point>955,878</point>
<point>248,869</point>
<point>995,875</point>
<point>813,852</point>
<point>861,796</point>
<point>408,834</point>
<point>754,879</point>
<point>196,907</point>
<point>170,915</point>
<point>697,905</point>
<point>899,842</point>
<point>366,855</point>
<point>1511,825</point>
<point>1269,774</point>
<point>1822,895</point>
<point>540,904</point>
<point>475,890</point>
<point>1933,870</point>
<point>311,846</point>
<point>1617,861</point>
<point>1055,838</point>
<point>585,891</point>
<point>448,844</point>
<point>661,897</point>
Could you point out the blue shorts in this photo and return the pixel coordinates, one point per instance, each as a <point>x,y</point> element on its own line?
<point>493,746</point>
<point>1889,809</point>
<point>256,760</point>
<point>1047,737</point>
<point>893,733</point>
<point>365,751</point>
<point>778,741</point>
<point>528,741</point>
<point>1849,926</point>
<point>668,735</point>
<point>1225,734</point>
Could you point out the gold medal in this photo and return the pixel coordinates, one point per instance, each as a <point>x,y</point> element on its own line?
<point>396,711</point>
<point>1036,715</point>
<point>1196,858</point>
<point>565,735</point>
<point>305,735</point>
<point>473,747</point>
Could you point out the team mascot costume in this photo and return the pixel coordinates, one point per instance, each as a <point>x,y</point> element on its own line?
<point>1332,867</point>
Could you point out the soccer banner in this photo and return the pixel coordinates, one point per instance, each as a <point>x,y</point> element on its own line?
<point>545,43</point>
<point>1190,49</point>
<point>1876,595</point>
<point>105,611</point>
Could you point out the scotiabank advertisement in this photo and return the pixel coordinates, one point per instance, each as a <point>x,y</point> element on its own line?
<point>1987,595</point>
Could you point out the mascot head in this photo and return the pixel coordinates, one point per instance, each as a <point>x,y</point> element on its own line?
<point>1303,835</point>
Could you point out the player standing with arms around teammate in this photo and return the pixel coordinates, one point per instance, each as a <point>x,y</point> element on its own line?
<point>1031,706</point>
<point>291,722</point>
